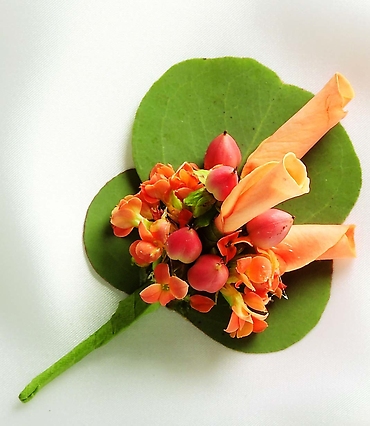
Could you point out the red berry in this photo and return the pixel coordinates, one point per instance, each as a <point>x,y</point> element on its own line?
<point>209,273</point>
<point>184,245</point>
<point>223,150</point>
<point>269,228</point>
<point>221,180</point>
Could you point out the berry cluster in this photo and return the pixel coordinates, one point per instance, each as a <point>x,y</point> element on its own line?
<point>186,252</point>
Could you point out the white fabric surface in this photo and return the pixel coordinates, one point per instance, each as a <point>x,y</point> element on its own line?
<point>72,74</point>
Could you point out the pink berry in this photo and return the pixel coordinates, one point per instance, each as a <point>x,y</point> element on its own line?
<point>223,150</point>
<point>184,245</point>
<point>269,228</point>
<point>221,180</point>
<point>209,273</point>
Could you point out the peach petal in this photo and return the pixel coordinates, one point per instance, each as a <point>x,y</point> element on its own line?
<point>121,232</point>
<point>201,303</point>
<point>259,326</point>
<point>162,273</point>
<point>307,126</point>
<point>179,288</point>
<point>245,330</point>
<point>306,243</point>
<point>259,270</point>
<point>233,323</point>
<point>144,232</point>
<point>270,184</point>
<point>254,301</point>
<point>344,248</point>
<point>151,294</point>
<point>165,297</point>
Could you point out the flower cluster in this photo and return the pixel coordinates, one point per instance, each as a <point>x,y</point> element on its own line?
<point>209,232</point>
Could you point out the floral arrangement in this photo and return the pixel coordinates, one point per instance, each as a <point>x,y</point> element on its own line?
<point>211,233</point>
<point>207,232</point>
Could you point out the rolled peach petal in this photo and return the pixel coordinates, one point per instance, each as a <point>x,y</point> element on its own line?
<point>307,126</point>
<point>344,248</point>
<point>267,186</point>
<point>306,243</point>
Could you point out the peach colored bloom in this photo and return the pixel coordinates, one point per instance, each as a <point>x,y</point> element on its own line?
<point>265,187</point>
<point>243,321</point>
<point>165,288</point>
<point>153,239</point>
<point>306,243</point>
<point>307,126</point>
<point>185,181</point>
<point>126,216</point>
<point>261,273</point>
<point>158,186</point>
<point>227,245</point>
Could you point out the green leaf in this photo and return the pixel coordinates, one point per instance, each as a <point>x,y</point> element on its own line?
<point>128,311</point>
<point>196,100</point>
<point>107,253</point>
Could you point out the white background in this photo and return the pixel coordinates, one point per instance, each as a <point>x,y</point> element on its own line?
<point>72,74</point>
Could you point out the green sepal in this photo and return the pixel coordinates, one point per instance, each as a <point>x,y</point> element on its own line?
<point>199,201</point>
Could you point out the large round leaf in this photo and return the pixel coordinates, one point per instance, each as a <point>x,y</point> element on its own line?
<point>196,100</point>
<point>183,111</point>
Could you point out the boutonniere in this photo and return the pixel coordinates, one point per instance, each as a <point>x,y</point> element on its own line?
<point>236,204</point>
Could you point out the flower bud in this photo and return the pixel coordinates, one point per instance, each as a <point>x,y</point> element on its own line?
<point>209,273</point>
<point>221,180</point>
<point>269,228</point>
<point>223,150</point>
<point>184,245</point>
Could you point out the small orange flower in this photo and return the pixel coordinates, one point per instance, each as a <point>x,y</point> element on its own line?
<point>243,320</point>
<point>127,215</point>
<point>165,288</point>
<point>185,181</point>
<point>261,273</point>
<point>158,186</point>
<point>150,247</point>
<point>226,245</point>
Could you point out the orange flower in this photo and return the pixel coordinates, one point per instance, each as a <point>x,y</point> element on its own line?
<point>127,215</point>
<point>150,247</point>
<point>306,243</point>
<point>165,288</point>
<point>261,273</point>
<point>268,185</point>
<point>158,186</point>
<point>226,245</point>
<point>307,126</point>
<point>243,321</point>
<point>185,181</point>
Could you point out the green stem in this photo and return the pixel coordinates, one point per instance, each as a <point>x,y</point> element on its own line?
<point>127,312</point>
